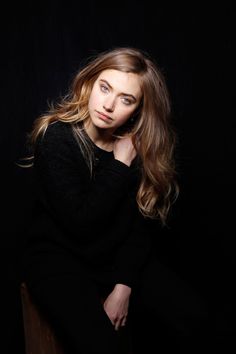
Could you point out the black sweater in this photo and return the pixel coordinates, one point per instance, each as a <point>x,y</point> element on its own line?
<point>95,219</point>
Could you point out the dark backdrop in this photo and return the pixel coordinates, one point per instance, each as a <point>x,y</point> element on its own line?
<point>43,45</point>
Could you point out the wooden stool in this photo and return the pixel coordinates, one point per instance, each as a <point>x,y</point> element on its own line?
<point>39,336</point>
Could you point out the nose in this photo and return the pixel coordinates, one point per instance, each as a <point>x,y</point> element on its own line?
<point>109,104</point>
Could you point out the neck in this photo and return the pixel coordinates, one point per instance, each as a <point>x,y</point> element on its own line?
<point>101,137</point>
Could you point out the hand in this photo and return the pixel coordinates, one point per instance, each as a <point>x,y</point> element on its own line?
<point>123,150</point>
<point>116,305</point>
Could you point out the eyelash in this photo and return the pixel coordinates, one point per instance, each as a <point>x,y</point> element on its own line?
<point>128,102</point>
<point>104,87</point>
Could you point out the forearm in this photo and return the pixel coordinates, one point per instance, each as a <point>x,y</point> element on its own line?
<point>134,253</point>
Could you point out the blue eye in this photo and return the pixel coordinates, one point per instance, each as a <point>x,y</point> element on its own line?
<point>126,101</point>
<point>103,88</point>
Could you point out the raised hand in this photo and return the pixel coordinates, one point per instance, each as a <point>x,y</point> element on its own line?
<point>123,150</point>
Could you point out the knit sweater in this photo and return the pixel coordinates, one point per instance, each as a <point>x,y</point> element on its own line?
<point>95,219</point>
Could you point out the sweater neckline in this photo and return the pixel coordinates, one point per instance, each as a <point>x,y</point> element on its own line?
<point>96,146</point>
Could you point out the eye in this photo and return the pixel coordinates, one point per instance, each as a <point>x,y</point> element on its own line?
<point>104,88</point>
<point>126,101</point>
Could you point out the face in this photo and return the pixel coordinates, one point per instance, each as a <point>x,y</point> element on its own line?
<point>114,97</point>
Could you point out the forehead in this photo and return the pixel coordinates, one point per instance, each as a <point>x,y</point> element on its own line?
<point>122,82</point>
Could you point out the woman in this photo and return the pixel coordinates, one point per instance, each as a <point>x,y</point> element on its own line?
<point>104,172</point>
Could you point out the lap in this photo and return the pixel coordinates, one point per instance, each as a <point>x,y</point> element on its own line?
<point>71,300</point>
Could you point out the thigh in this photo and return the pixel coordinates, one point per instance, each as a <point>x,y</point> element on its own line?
<point>72,304</point>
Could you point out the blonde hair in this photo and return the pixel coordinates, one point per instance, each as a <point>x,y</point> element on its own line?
<point>152,134</point>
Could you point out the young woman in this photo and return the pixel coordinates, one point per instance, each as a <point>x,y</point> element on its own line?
<point>103,172</point>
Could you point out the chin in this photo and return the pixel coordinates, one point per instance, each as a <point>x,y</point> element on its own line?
<point>100,125</point>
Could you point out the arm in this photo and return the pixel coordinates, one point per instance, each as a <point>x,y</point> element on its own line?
<point>130,259</point>
<point>134,252</point>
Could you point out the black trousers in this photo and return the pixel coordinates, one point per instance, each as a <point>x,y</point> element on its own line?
<point>164,311</point>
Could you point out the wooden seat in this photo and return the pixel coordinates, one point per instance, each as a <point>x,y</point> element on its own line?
<point>39,336</point>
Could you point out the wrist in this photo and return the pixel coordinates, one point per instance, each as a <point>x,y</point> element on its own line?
<point>122,288</point>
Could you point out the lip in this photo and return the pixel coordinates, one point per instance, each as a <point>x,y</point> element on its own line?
<point>103,116</point>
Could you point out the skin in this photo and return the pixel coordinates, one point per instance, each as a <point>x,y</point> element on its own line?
<point>116,94</point>
<point>107,97</point>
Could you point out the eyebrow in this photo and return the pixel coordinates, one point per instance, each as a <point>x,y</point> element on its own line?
<point>122,93</point>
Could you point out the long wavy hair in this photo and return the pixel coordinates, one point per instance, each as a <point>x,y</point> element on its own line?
<point>152,133</point>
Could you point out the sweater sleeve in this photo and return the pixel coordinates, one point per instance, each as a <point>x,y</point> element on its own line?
<point>69,193</point>
<point>134,253</point>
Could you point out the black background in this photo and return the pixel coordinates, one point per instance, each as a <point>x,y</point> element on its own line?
<point>43,45</point>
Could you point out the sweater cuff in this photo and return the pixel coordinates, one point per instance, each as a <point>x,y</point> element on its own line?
<point>127,278</point>
<point>119,167</point>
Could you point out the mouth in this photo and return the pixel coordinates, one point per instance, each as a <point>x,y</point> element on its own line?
<point>104,116</point>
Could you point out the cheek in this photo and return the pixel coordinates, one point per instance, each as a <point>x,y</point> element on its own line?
<point>93,99</point>
<point>121,119</point>
<point>124,114</point>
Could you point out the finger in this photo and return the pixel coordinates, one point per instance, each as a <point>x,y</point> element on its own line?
<point>123,322</point>
<point>117,325</point>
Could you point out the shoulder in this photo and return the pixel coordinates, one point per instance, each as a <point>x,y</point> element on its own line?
<point>58,148</point>
<point>58,141</point>
<point>57,134</point>
<point>57,130</point>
